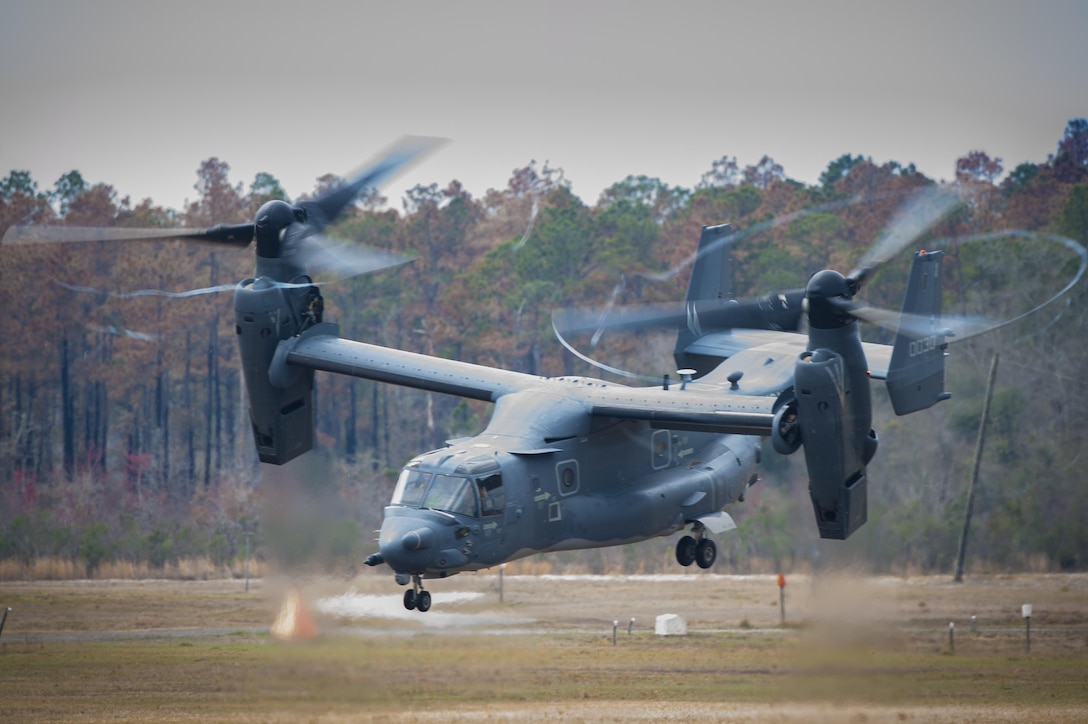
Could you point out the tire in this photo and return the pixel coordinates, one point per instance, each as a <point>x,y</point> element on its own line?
<point>423,601</point>
<point>685,550</point>
<point>409,599</point>
<point>706,553</point>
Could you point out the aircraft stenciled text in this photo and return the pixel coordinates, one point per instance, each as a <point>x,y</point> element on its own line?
<point>923,345</point>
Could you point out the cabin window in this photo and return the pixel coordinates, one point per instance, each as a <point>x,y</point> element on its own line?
<point>492,497</point>
<point>566,474</point>
<point>410,487</point>
<point>660,443</point>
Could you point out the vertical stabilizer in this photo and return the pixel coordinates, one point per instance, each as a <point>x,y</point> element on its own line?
<point>710,278</point>
<point>916,373</point>
<point>710,273</point>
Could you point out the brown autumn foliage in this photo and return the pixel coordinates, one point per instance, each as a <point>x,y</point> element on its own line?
<point>123,431</point>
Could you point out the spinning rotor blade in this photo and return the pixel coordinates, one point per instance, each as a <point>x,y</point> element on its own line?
<point>576,320</point>
<point>323,210</point>
<point>148,292</point>
<point>778,310</point>
<point>122,332</point>
<point>914,218</point>
<point>238,235</point>
<point>341,259</point>
<point>335,259</point>
<point>320,211</point>
<point>917,325</point>
<point>963,327</point>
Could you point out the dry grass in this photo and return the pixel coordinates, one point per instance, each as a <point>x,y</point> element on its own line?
<point>54,568</point>
<point>853,650</point>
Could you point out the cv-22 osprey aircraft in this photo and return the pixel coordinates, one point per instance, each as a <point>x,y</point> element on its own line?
<point>572,462</point>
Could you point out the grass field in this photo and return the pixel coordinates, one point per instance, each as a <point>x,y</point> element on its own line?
<point>873,649</point>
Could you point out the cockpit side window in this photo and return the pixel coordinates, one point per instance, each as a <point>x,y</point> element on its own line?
<point>492,497</point>
<point>452,494</point>
<point>410,487</point>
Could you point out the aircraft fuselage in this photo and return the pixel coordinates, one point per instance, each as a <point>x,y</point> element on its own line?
<point>555,479</point>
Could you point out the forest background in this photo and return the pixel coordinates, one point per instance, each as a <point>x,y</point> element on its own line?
<point>124,444</point>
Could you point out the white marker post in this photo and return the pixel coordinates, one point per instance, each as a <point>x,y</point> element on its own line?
<point>1025,611</point>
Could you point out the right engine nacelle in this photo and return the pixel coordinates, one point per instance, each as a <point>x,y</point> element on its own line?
<point>835,461</point>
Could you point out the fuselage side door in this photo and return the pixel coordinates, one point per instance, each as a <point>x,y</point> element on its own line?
<point>494,516</point>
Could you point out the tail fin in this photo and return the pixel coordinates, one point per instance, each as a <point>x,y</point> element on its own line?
<point>916,372</point>
<point>711,271</point>
<point>710,277</point>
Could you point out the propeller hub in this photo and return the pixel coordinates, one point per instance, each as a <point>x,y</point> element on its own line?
<point>826,293</point>
<point>826,284</point>
<point>272,219</point>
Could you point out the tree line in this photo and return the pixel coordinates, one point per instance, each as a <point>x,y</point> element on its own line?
<point>123,430</point>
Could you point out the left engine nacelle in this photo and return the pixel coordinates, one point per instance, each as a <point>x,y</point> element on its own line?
<point>281,406</point>
<point>834,458</point>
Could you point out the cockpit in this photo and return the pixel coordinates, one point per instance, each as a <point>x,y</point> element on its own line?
<point>474,488</point>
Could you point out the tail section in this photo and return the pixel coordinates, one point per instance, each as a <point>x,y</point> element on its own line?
<point>916,372</point>
<point>703,336</point>
<point>710,276</point>
<point>707,288</point>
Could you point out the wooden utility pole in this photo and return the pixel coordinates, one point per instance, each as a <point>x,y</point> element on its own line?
<point>974,472</point>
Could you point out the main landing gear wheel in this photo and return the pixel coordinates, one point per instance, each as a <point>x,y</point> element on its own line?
<point>686,550</point>
<point>696,548</point>
<point>416,598</point>
<point>705,553</point>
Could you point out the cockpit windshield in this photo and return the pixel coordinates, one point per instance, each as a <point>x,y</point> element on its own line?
<point>411,485</point>
<point>451,493</point>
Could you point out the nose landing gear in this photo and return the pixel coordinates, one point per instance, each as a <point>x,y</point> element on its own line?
<point>696,549</point>
<point>416,598</point>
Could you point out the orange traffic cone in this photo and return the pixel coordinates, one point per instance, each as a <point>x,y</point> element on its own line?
<point>294,621</point>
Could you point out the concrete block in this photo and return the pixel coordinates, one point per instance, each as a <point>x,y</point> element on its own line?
<point>670,624</point>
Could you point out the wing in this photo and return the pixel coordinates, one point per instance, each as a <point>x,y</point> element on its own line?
<point>693,408</point>
<point>321,348</point>
<point>712,404</point>
<point>701,406</point>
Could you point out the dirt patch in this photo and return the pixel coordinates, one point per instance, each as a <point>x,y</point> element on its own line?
<point>573,603</point>
<point>553,647</point>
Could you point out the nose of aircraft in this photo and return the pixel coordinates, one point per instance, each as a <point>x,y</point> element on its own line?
<point>418,541</point>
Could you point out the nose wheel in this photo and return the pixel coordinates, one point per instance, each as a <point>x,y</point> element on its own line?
<point>415,598</point>
<point>696,549</point>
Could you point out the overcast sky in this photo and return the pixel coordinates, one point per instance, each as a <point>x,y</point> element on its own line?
<point>137,94</point>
